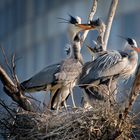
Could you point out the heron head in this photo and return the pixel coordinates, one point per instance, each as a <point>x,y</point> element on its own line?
<point>97,48</point>
<point>92,25</point>
<point>75,26</point>
<point>74,20</point>
<point>131,44</point>
<point>96,23</point>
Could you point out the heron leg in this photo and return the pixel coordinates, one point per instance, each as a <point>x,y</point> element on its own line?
<point>86,102</point>
<point>65,105</point>
<point>72,97</point>
<point>52,93</point>
<point>58,102</point>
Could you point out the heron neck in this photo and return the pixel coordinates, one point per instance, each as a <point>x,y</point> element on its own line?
<point>72,32</point>
<point>133,55</point>
<point>76,52</point>
<point>71,36</point>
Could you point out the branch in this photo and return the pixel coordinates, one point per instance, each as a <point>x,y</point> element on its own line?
<point>15,78</point>
<point>111,14</point>
<point>6,59</point>
<point>90,17</point>
<point>14,91</point>
<point>6,108</point>
<point>134,93</point>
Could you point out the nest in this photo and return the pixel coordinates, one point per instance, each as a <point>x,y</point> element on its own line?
<point>76,124</point>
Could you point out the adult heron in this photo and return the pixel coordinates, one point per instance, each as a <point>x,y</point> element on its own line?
<point>109,65</point>
<point>60,78</point>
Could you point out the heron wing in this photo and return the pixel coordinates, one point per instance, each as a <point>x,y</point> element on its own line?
<point>107,64</point>
<point>41,79</point>
<point>70,70</point>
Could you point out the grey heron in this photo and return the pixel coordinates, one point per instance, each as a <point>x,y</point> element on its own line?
<point>109,64</point>
<point>68,76</point>
<point>75,49</point>
<point>56,77</point>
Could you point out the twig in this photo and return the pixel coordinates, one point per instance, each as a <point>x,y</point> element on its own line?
<point>6,79</point>
<point>132,98</point>
<point>14,70</point>
<point>111,14</point>
<point>134,93</point>
<point>6,59</point>
<point>90,17</point>
<point>6,108</point>
<point>5,125</point>
<point>14,91</point>
<point>11,68</point>
<point>11,89</point>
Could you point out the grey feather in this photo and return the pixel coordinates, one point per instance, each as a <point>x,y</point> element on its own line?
<point>107,64</point>
<point>41,79</point>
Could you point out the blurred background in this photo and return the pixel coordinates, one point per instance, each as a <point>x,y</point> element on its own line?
<point>31,29</point>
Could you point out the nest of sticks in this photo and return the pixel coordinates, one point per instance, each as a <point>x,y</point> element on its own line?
<point>100,123</point>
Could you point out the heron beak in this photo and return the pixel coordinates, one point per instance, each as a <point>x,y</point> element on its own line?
<point>136,49</point>
<point>90,49</point>
<point>86,26</point>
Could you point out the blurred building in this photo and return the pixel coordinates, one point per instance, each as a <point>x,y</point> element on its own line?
<point>31,29</point>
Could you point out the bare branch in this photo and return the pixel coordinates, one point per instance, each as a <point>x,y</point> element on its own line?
<point>11,89</point>
<point>14,70</point>
<point>6,59</point>
<point>134,93</point>
<point>6,108</point>
<point>14,91</point>
<point>6,79</point>
<point>90,17</point>
<point>111,14</point>
<point>132,98</point>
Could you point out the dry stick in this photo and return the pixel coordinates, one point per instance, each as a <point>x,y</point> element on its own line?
<point>6,59</point>
<point>11,68</point>
<point>13,91</point>
<point>132,98</point>
<point>6,79</point>
<point>90,17</point>
<point>15,78</point>
<point>111,14</point>
<point>6,108</point>
<point>134,93</point>
<point>1,122</point>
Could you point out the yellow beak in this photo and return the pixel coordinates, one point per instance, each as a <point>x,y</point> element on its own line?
<point>86,26</point>
<point>90,49</point>
<point>136,49</point>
